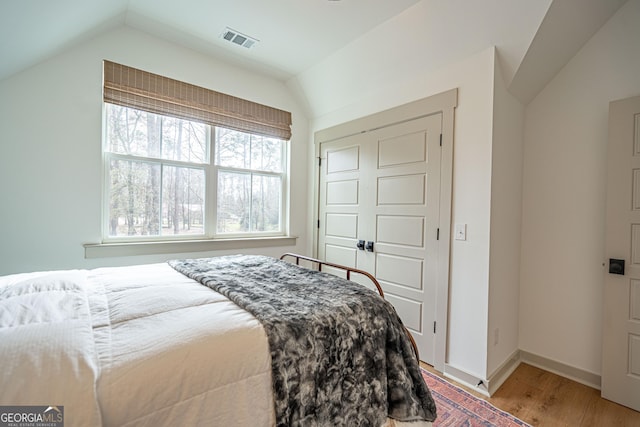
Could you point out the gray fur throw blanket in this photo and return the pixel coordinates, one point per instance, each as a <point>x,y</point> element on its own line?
<point>339,352</point>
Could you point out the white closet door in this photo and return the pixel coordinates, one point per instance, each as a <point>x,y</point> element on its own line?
<point>340,200</point>
<point>383,187</point>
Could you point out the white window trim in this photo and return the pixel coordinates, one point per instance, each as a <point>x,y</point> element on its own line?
<point>124,249</point>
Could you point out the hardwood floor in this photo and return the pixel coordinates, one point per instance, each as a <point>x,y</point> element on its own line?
<point>545,399</point>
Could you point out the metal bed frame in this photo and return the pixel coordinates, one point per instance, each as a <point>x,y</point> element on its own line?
<point>349,270</point>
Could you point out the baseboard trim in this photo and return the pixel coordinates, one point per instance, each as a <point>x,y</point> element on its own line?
<point>503,372</point>
<point>485,386</point>
<point>466,379</point>
<point>489,386</point>
<point>576,374</point>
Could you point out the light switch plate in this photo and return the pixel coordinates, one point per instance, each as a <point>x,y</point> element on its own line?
<point>461,232</point>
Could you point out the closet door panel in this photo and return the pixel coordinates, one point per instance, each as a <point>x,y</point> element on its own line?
<point>382,186</point>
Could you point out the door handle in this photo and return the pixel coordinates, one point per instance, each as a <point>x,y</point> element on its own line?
<point>369,246</point>
<point>360,245</point>
<point>616,266</point>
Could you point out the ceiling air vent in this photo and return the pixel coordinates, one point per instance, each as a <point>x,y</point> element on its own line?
<point>238,38</point>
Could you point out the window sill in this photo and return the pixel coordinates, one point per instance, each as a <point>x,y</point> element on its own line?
<point>104,250</point>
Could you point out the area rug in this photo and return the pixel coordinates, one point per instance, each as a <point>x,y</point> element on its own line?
<point>457,407</point>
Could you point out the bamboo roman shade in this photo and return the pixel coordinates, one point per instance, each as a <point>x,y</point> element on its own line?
<point>150,92</point>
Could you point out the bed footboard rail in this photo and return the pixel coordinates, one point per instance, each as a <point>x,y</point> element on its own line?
<point>348,270</point>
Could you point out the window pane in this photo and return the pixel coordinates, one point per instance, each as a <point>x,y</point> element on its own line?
<point>184,140</point>
<point>266,153</point>
<point>134,198</point>
<point>265,206</point>
<point>131,131</point>
<point>233,148</point>
<point>139,133</point>
<point>182,200</point>
<point>234,197</point>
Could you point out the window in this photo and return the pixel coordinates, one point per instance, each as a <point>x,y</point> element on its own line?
<point>250,175</point>
<point>185,162</point>
<point>173,178</point>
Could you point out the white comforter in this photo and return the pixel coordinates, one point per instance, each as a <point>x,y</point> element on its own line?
<point>125,346</point>
<point>141,345</point>
<point>47,355</point>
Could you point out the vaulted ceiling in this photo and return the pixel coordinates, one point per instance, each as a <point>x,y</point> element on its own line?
<point>534,38</point>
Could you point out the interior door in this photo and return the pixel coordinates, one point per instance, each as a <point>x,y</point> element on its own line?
<point>382,188</point>
<point>621,314</point>
<point>340,200</point>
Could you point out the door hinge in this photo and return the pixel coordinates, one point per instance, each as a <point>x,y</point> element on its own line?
<point>320,161</point>
<point>440,140</point>
<point>438,234</point>
<point>434,326</point>
<point>318,223</point>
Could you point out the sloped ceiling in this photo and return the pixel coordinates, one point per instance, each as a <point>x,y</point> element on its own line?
<point>534,38</point>
<point>567,26</point>
<point>293,34</point>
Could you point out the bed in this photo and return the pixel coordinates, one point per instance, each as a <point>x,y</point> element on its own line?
<point>205,342</point>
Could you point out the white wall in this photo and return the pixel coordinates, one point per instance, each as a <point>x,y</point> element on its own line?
<point>564,195</point>
<point>421,38</point>
<point>50,145</point>
<point>506,215</point>
<point>340,80</point>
